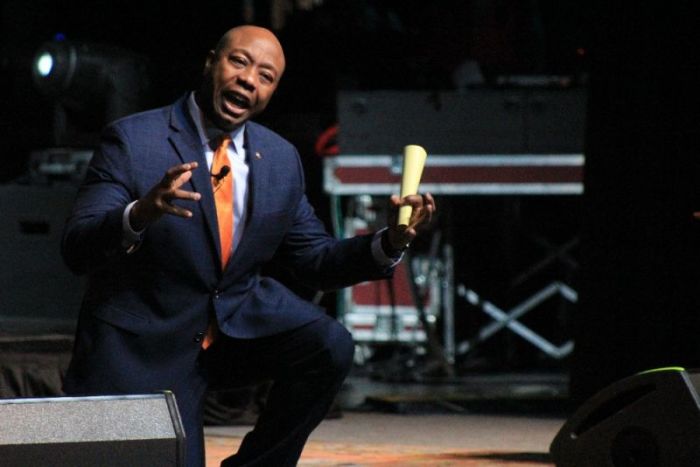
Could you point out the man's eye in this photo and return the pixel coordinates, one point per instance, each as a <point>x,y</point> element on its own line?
<point>267,78</point>
<point>237,60</point>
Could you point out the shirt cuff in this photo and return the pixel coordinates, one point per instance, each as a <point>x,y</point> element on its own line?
<point>131,239</point>
<point>380,256</point>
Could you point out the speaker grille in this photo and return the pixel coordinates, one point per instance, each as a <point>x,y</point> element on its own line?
<point>139,430</point>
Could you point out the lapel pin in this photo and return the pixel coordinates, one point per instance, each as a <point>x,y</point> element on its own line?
<point>258,155</point>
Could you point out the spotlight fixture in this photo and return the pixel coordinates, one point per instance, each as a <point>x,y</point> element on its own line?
<point>91,84</point>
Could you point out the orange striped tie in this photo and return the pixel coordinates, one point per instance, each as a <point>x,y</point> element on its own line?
<point>222,184</point>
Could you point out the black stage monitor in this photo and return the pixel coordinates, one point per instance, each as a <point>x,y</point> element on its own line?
<point>101,431</point>
<point>648,420</point>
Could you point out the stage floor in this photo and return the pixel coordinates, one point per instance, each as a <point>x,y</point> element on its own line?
<point>497,420</point>
<point>380,439</point>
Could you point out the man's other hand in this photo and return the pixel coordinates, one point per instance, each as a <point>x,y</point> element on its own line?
<point>423,205</point>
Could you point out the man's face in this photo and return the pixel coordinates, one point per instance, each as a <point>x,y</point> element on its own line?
<point>240,78</point>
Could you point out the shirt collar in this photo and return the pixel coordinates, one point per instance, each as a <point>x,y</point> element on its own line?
<point>208,133</point>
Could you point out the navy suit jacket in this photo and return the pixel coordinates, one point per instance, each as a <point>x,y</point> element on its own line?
<point>144,313</point>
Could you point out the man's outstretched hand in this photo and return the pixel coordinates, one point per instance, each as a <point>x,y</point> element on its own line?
<point>399,236</point>
<point>158,200</point>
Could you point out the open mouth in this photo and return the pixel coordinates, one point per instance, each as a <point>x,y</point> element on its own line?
<point>236,101</point>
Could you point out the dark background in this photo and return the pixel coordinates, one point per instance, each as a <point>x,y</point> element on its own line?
<point>638,60</point>
<point>337,45</point>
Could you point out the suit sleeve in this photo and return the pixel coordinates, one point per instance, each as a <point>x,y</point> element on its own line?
<point>93,233</point>
<point>321,261</point>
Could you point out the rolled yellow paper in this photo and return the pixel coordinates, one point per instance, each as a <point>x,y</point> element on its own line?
<point>413,162</point>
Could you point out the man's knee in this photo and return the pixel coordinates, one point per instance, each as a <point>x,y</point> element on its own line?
<point>340,347</point>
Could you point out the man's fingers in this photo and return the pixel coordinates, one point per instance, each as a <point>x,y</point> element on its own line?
<point>418,201</point>
<point>158,200</point>
<point>428,200</point>
<point>184,194</point>
<point>180,180</point>
<point>177,211</point>
<point>177,170</point>
<point>174,178</point>
<point>165,207</point>
<point>426,213</point>
<point>178,174</point>
<point>423,208</point>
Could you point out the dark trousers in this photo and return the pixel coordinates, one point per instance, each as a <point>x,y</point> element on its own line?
<point>307,366</point>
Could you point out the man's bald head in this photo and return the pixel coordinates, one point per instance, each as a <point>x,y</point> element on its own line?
<point>252,31</point>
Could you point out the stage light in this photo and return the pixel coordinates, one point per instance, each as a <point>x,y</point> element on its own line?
<point>91,85</point>
<point>44,64</point>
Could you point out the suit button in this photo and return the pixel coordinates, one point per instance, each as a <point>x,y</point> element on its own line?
<point>198,337</point>
<point>215,293</point>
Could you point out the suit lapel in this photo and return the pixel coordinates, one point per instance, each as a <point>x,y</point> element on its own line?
<point>258,186</point>
<point>185,140</point>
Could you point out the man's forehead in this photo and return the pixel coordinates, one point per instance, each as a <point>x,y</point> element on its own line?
<point>249,35</point>
<point>247,38</point>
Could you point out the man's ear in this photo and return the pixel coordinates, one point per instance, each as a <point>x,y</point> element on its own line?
<point>211,58</point>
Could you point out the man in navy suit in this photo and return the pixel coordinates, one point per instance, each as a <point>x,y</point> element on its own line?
<point>163,311</point>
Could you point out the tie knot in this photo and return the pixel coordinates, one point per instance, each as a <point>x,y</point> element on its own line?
<point>224,141</point>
